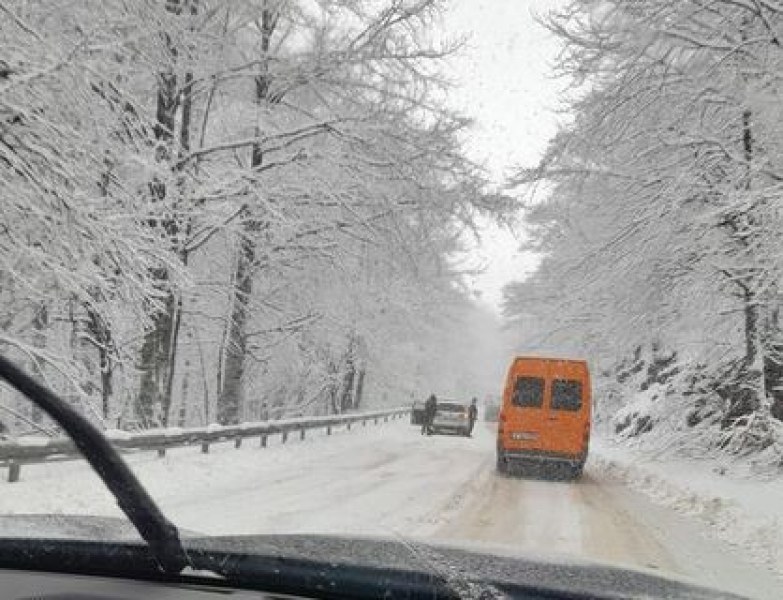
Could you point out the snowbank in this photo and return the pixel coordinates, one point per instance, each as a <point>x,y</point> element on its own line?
<point>118,434</point>
<point>32,440</point>
<point>184,475</point>
<point>738,506</point>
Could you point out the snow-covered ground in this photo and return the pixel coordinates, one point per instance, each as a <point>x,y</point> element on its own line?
<point>389,480</point>
<point>738,506</point>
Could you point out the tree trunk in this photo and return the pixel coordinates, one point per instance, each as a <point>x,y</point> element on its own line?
<point>752,394</point>
<point>171,358</point>
<point>332,388</point>
<point>99,329</point>
<point>773,363</point>
<point>154,396</point>
<point>155,368</point>
<point>230,397</point>
<point>101,335</point>
<point>347,395</point>
<point>40,323</point>
<point>357,399</point>
<point>182,417</point>
<point>184,145</point>
<point>754,351</point>
<point>349,376</point>
<point>107,387</point>
<point>753,345</point>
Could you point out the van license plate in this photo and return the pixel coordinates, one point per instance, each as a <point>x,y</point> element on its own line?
<point>524,435</point>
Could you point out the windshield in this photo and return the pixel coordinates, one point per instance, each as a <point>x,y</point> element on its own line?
<point>249,240</point>
<point>447,407</point>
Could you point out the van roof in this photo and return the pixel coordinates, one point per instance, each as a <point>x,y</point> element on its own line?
<point>550,359</point>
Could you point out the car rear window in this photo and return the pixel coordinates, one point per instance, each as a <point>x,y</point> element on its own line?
<point>451,407</point>
<point>529,392</point>
<point>566,394</point>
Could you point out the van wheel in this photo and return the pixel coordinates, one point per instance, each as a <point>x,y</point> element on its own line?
<point>576,472</point>
<point>502,464</point>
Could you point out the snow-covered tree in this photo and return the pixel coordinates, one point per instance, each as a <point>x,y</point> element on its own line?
<point>215,209</point>
<point>662,194</point>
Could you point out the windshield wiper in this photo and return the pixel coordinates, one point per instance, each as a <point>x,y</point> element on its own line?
<point>161,535</point>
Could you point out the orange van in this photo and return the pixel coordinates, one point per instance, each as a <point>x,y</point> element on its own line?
<point>545,415</point>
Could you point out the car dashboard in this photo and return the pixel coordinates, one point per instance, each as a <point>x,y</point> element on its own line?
<point>29,585</point>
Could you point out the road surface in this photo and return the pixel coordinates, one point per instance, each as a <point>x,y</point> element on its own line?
<point>391,481</point>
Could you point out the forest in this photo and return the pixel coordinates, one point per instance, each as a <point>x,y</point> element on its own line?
<point>657,215</point>
<point>215,212</point>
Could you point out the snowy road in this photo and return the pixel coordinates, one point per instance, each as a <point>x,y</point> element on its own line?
<point>391,481</point>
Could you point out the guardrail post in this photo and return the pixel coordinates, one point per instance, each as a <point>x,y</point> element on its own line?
<point>302,433</point>
<point>349,425</point>
<point>375,421</point>
<point>238,442</point>
<point>161,451</point>
<point>328,430</point>
<point>14,471</point>
<point>284,437</point>
<point>364,422</point>
<point>205,447</point>
<point>263,441</point>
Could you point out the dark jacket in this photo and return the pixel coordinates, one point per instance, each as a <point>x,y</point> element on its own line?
<point>430,407</point>
<point>472,412</point>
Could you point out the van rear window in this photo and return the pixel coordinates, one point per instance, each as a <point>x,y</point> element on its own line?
<point>566,394</point>
<point>528,392</point>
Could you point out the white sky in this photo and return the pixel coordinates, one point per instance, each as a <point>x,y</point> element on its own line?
<point>504,81</point>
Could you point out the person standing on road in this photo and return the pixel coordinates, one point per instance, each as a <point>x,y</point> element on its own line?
<point>430,408</point>
<point>472,416</point>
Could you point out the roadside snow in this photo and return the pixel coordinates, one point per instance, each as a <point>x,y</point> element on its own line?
<point>32,440</point>
<point>118,434</point>
<point>742,508</point>
<point>184,475</point>
<point>391,481</point>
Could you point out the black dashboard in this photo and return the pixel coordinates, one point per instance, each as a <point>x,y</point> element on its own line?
<point>299,566</point>
<point>35,585</point>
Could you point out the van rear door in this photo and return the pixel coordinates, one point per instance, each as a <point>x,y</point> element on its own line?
<point>526,417</point>
<point>566,409</point>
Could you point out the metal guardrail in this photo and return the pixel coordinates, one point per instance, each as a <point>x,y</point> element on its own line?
<point>15,453</point>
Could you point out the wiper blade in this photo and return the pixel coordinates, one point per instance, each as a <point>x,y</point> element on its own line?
<point>161,535</point>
